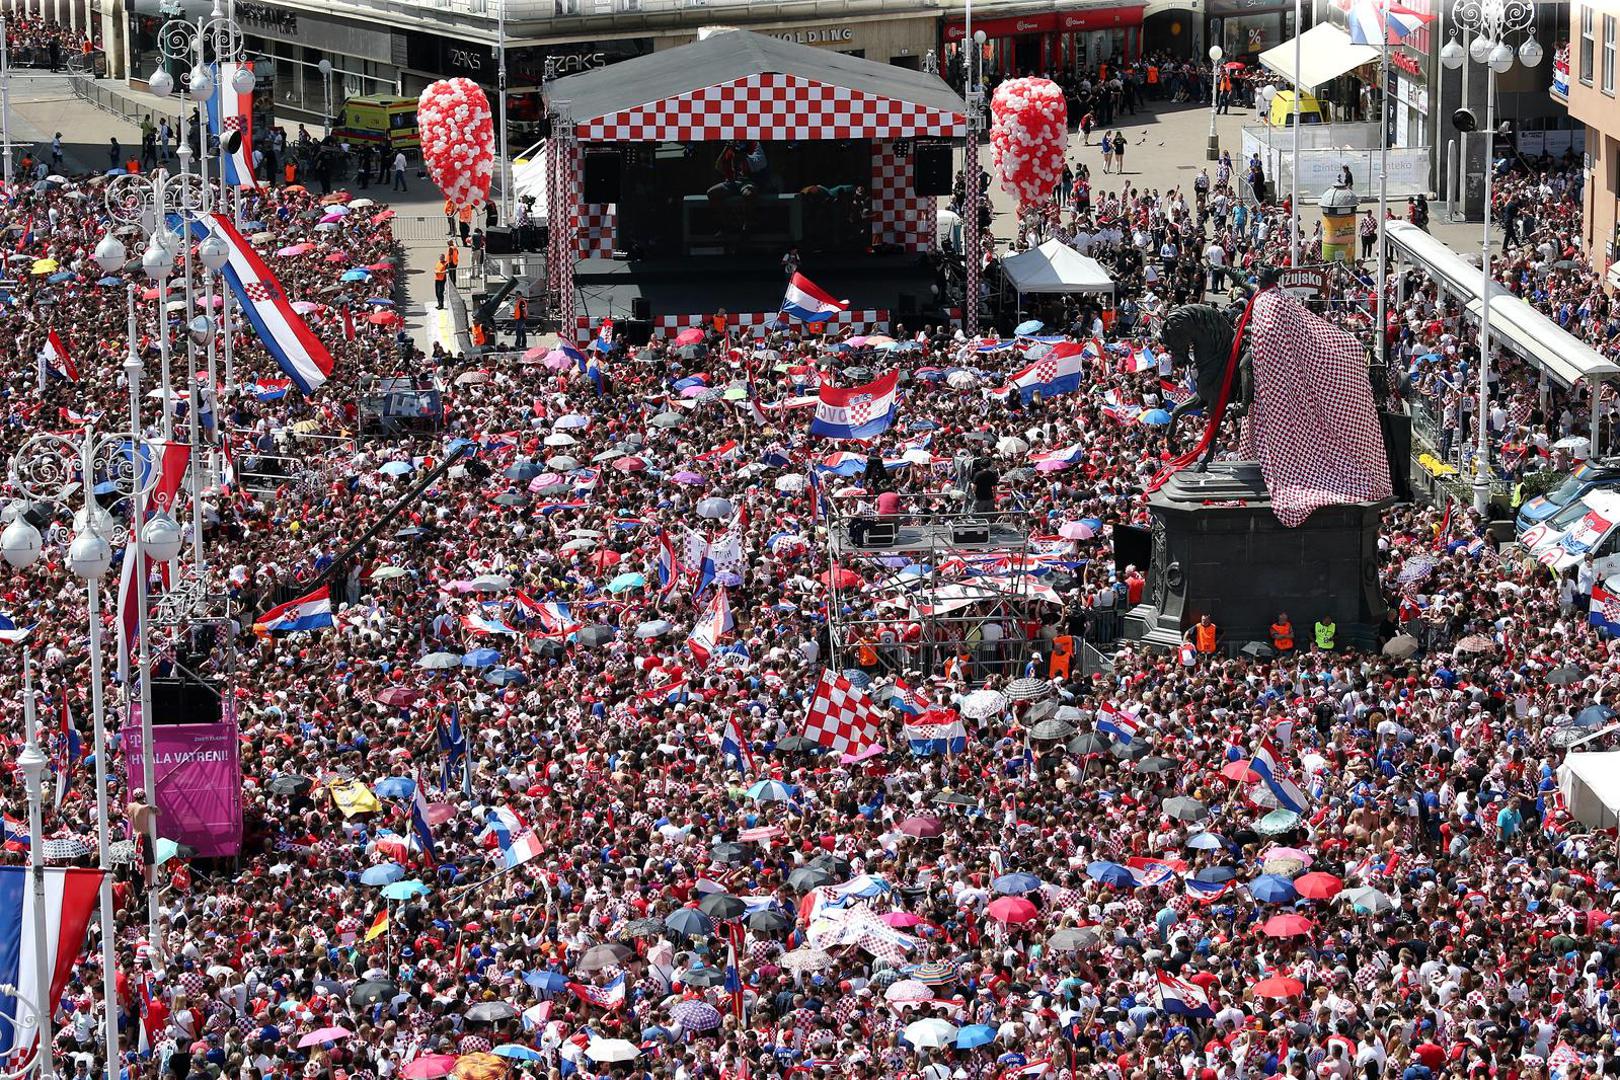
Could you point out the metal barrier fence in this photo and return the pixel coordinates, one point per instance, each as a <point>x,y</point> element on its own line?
<point>104,97</point>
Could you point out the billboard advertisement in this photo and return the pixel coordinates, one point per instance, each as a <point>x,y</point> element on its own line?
<point>198,783</point>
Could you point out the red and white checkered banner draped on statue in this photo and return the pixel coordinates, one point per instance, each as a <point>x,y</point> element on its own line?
<point>841,717</point>
<point>1313,426</point>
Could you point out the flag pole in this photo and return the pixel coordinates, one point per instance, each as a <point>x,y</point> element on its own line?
<point>1381,332</point>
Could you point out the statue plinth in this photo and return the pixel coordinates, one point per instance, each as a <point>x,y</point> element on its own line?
<point>1219,548</point>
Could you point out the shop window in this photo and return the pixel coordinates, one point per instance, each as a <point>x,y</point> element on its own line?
<point>1587,44</point>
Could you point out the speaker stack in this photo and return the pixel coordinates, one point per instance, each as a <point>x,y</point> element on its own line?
<point>931,169</point>
<point>603,177</point>
<point>498,240</point>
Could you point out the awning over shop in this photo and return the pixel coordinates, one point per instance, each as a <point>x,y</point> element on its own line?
<point>1325,53</point>
<point>1514,324</point>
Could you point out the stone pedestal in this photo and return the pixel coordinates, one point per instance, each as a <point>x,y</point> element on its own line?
<point>1219,548</point>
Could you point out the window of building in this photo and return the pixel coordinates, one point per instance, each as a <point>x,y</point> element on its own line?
<point>1608,54</point>
<point>1587,44</point>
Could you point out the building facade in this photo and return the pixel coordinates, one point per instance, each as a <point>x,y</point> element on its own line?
<point>1592,59</point>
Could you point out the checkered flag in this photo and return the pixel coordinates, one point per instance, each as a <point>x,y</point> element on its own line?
<point>841,716</point>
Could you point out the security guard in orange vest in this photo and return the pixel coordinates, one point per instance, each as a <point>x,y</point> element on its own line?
<point>1282,634</point>
<point>520,322</point>
<point>1062,656</point>
<point>1203,635</point>
<point>452,258</point>
<point>440,269</point>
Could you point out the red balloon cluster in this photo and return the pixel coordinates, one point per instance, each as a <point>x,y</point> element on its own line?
<point>1029,134</point>
<point>458,140</point>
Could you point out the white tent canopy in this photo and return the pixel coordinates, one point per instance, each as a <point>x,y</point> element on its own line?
<point>1590,784</point>
<point>1054,267</point>
<point>1325,54</point>
<point>529,178</point>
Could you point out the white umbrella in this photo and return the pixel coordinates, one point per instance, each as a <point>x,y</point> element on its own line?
<point>931,1033</point>
<point>917,456</point>
<point>806,958</point>
<point>384,573</point>
<point>982,704</point>
<point>714,508</point>
<point>1011,445</point>
<point>611,1050</point>
<point>962,380</point>
<point>908,990</point>
<point>472,378</point>
<point>560,438</point>
<point>791,483</point>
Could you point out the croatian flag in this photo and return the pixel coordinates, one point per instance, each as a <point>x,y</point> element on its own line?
<point>68,750</point>
<point>300,354</point>
<point>312,612</point>
<point>733,745</point>
<point>58,361</point>
<point>1058,372</point>
<point>475,623</point>
<point>1117,724</point>
<point>11,633</point>
<point>1207,892</point>
<point>556,619</point>
<point>521,850</point>
<point>669,565</point>
<point>908,699</point>
<point>1068,455</point>
<point>929,738</point>
<point>70,899</point>
<point>1178,997</point>
<point>229,111</point>
<point>14,833</point>
<point>859,412</point>
<point>1139,360</point>
<point>807,303</point>
<point>453,745</point>
<point>1264,763</point>
<point>1605,610</point>
<point>610,996</point>
<point>1370,19</point>
<point>420,826</point>
<point>712,625</point>
<point>271,389</point>
<point>501,824</point>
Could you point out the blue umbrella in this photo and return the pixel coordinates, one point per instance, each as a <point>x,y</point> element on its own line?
<point>626,582</point>
<point>382,874</point>
<point>1095,523</point>
<point>379,301</point>
<point>1215,875</point>
<point>116,172</point>
<point>481,658</point>
<point>1155,418</point>
<point>1593,716</point>
<point>1271,889</point>
<point>1016,884</point>
<point>1028,326</point>
<point>974,1035</point>
<point>516,1052</point>
<point>922,425</point>
<point>546,982</point>
<point>395,787</point>
<point>691,922</point>
<point>523,471</point>
<point>404,890</point>
<point>505,676</point>
<point>60,276</point>
<point>771,791</point>
<point>1206,841</point>
<point>109,280</point>
<point>1110,873</point>
<point>355,275</point>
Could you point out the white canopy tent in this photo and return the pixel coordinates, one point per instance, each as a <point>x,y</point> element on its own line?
<point>1590,784</point>
<point>529,179</point>
<point>1326,52</point>
<point>1055,267</point>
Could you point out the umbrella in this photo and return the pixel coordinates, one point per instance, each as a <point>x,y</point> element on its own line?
<point>1277,986</point>
<point>1276,822</point>
<point>324,1035</point>
<point>667,420</point>
<point>1076,530</point>
<point>290,784</point>
<point>908,990</point>
<point>429,1067</point>
<point>382,874</point>
<point>1089,743</point>
<point>1185,808</point>
<point>1475,643</point>
<point>1271,889</point>
<point>71,847</point>
<point>768,922</point>
<point>806,958</point>
<point>695,1015</point>
<point>1286,925</point>
<point>1154,418</point>
<point>596,634</point>
<point>355,275</point>
<point>491,1012</point>
<point>921,827</point>
<point>722,906</point>
<point>395,787</point>
<point>771,791</point>
<point>806,878</point>
<point>1318,886</point>
<point>1566,675</point>
<point>1111,873</point>
<point>1051,730</point>
<point>372,992</point>
<point>505,676</point>
<point>1011,445</point>
<point>1367,900</point>
<point>610,954</point>
<point>1027,327</point>
<point>1260,650</point>
<point>626,582</point>
<point>654,628</point>
<point>982,704</point>
<point>1156,765</point>
<point>1011,909</point>
<point>611,1050</point>
<point>404,890</point>
<point>974,1036</point>
<point>713,508</point>
<point>481,658</point>
<point>1073,939</point>
<point>690,922</point>
<point>1215,875</point>
<point>931,1033</point>
<point>1028,689</point>
<point>440,661</point>
<point>1016,884</point>
<point>935,973</point>
<point>704,975</point>
<point>516,1052</point>
<point>637,928</point>
<point>546,982</point>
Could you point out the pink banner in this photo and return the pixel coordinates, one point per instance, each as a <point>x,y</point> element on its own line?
<point>199,783</point>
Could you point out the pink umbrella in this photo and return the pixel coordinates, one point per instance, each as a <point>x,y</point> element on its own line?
<point>901,919</point>
<point>378,219</point>
<point>337,257</point>
<point>536,353</point>
<point>764,832</point>
<point>1074,530</point>
<point>688,477</point>
<point>629,464</point>
<point>293,249</point>
<point>690,336</point>
<point>429,1067</point>
<point>1051,465</point>
<point>305,307</point>
<point>324,1035</point>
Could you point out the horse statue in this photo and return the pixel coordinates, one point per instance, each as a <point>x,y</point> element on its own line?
<point>1206,333</point>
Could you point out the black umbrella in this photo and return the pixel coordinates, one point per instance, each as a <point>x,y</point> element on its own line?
<point>1089,743</point>
<point>796,744</point>
<point>596,634</point>
<point>954,798</point>
<point>371,993</point>
<point>722,906</point>
<point>729,853</point>
<point>510,498</point>
<point>1128,751</point>
<point>808,877</point>
<point>769,921</point>
<point>643,928</point>
<point>1259,650</point>
<point>836,865</point>
<point>1568,675</point>
<point>690,922</point>
<point>1155,765</point>
<point>411,532</point>
<point>290,784</point>
<point>704,976</point>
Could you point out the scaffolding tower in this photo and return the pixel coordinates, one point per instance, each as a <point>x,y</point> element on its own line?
<point>914,590</point>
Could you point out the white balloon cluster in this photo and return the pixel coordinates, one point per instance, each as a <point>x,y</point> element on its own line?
<point>458,140</point>
<point>1029,135</point>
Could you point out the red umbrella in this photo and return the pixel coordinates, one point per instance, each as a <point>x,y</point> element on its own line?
<point>399,697</point>
<point>1317,885</point>
<point>1286,925</point>
<point>692,335</point>
<point>629,464</point>
<point>921,827</point>
<point>901,919</point>
<point>605,558</point>
<point>149,294</point>
<point>378,219</point>
<point>337,257</point>
<point>382,318</point>
<point>1011,909</point>
<point>1278,986</point>
<point>840,577</point>
<point>1239,773</point>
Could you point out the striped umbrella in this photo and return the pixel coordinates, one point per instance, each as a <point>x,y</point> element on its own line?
<point>934,973</point>
<point>695,1015</point>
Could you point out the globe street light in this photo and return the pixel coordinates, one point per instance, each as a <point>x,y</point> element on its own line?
<point>1215,55</point>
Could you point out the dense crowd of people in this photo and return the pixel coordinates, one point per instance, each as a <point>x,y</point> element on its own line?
<point>637,865</point>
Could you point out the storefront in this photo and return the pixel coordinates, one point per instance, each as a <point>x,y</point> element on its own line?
<point>1407,121</point>
<point>888,39</point>
<point>1246,28</point>
<point>1050,42</point>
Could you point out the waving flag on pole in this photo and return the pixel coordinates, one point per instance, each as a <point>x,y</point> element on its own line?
<point>420,827</point>
<point>859,412</point>
<point>1264,762</point>
<point>1605,609</point>
<point>1370,19</point>
<point>68,749</point>
<point>232,112</point>
<point>1058,372</point>
<point>57,359</point>
<point>669,566</point>
<point>11,633</point>
<point>712,625</point>
<point>1179,997</point>
<point>300,354</point>
<point>735,746</point>
<point>311,612</point>
<point>808,303</point>
<point>70,899</point>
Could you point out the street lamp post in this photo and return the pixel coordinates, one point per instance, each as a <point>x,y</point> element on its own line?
<point>5,101</point>
<point>325,67</point>
<point>1215,55</point>
<point>33,764</point>
<point>1492,22</point>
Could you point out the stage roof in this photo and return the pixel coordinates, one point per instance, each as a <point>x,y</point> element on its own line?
<point>736,84</point>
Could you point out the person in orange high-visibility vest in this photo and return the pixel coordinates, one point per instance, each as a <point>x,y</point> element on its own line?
<point>1203,635</point>
<point>1282,634</point>
<point>1062,656</point>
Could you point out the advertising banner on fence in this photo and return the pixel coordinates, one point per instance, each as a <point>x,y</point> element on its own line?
<point>199,783</point>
